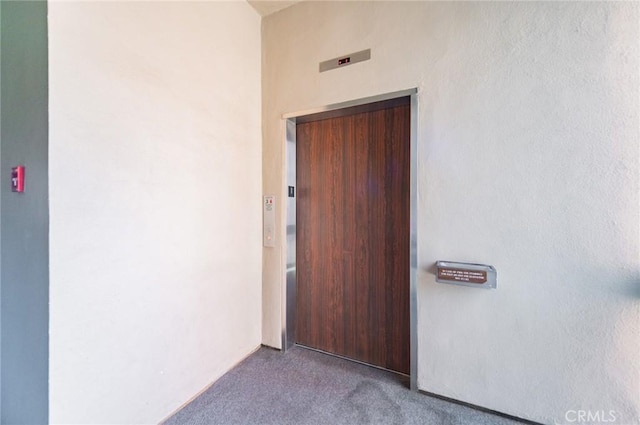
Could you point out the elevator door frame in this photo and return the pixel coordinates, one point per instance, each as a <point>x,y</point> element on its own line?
<point>289,312</point>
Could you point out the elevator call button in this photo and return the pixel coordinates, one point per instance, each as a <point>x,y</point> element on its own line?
<point>269,223</point>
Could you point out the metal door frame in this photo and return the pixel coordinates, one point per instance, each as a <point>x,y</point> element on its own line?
<point>289,310</point>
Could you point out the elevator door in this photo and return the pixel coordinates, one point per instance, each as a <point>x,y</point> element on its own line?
<point>353,206</point>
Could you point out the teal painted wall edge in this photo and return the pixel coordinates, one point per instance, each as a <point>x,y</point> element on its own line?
<point>24,218</point>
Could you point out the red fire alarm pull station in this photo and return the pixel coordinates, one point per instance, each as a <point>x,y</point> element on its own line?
<point>17,179</point>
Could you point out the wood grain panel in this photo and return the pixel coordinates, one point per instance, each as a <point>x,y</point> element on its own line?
<point>353,235</point>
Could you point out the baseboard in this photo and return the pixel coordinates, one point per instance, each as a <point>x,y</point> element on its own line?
<point>479,408</point>
<point>199,393</point>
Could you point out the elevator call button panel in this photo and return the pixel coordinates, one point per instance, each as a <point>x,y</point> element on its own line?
<point>269,221</point>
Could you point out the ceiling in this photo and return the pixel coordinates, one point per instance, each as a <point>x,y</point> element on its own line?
<point>267,7</point>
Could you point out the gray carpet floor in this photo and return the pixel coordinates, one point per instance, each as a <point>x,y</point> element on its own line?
<point>303,386</point>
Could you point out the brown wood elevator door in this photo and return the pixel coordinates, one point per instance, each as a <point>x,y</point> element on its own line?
<point>353,206</point>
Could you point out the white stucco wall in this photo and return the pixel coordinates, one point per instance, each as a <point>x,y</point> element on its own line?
<point>155,183</point>
<point>528,157</point>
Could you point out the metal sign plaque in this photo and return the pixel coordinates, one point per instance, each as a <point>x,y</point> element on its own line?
<point>466,274</point>
<point>460,275</point>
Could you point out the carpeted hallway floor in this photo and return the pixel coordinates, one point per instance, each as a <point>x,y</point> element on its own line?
<point>307,387</point>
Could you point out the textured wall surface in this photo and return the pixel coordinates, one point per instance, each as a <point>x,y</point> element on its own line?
<point>24,221</point>
<point>155,176</point>
<point>528,160</point>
